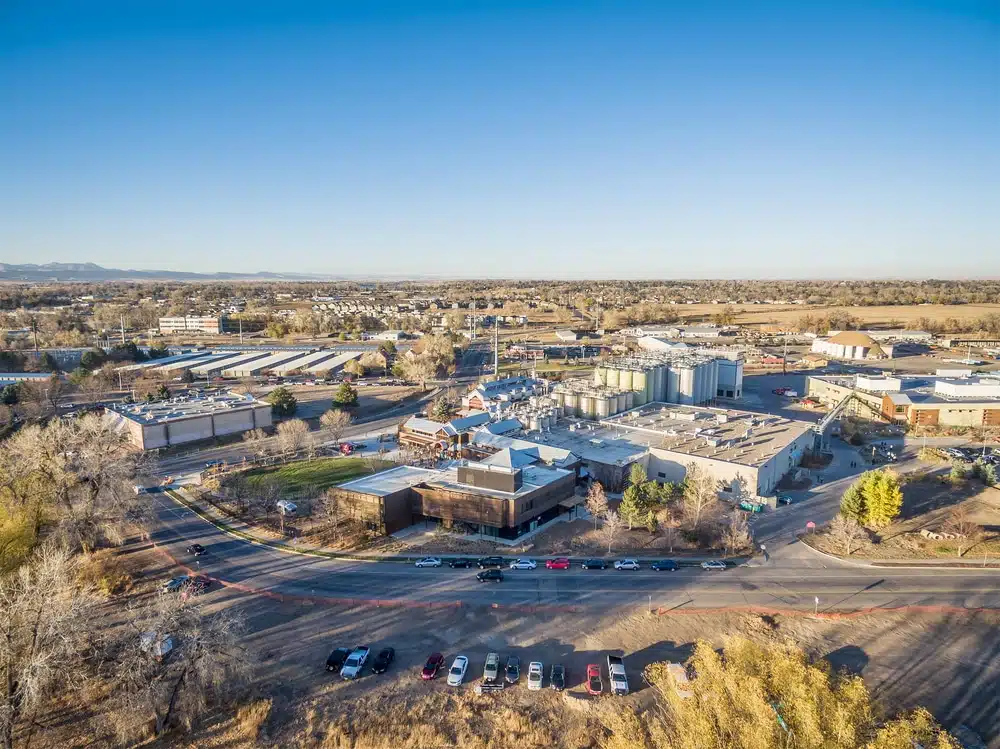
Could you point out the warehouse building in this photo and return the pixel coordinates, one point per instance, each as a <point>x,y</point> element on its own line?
<point>852,344</point>
<point>181,420</point>
<point>260,365</point>
<point>304,362</point>
<point>492,499</point>
<point>333,365</point>
<point>942,399</point>
<point>225,361</point>
<point>191,324</point>
<point>665,439</point>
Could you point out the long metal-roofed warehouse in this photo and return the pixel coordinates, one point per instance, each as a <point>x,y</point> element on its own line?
<point>188,419</point>
<point>226,361</point>
<point>165,361</point>
<point>304,362</point>
<point>202,358</point>
<point>253,367</point>
<point>334,364</point>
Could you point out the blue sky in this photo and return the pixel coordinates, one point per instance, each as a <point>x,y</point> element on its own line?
<point>504,139</point>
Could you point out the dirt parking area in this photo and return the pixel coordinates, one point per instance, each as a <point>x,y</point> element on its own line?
<point>947,663</point>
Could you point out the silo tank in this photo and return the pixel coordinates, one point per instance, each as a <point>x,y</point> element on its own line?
<point>572,403</point>
<point>685,388</point>
<point>587,408</point>
<point>612,378</point>
<point>625,379</point>
<point>673,384</point>
<point>639,386</point>
<point>629,400</point>
<point>603,404</point>
<point>621,402</point>
<point>660,389</point>
<point>600,375</point>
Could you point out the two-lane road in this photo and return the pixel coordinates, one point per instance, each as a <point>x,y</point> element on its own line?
<point>781,583</point>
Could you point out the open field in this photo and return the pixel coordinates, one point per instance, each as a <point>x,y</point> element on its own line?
<point>785,314</point>
<point>314,400</point>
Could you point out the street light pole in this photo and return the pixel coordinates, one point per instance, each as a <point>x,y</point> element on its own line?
<point>816,606</point>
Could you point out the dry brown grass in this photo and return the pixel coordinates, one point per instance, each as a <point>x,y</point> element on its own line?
<point>541,720</point>
<point>105,572</point>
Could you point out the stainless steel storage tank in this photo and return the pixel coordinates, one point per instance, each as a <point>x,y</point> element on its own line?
<point>624,379</point>
<point>639,386</point>
<point>603,405</point>
<point>612,378</point>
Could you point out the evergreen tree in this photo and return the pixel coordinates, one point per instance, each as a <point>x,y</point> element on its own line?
<point>632,508</point>
<point>345,396</point>
<point>852,504</point>
<point>282,401</point>
<point>883,499</point>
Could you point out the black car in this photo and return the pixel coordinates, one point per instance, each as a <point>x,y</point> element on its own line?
<point>487,562</point>
<point>663,565</point>
<point>490,576</point>
<point>557,677</point>
<point>460,563</point>
<point>382,660</point>
<point>196,549</point>
<point>513,671</point>
<point>337,659</point>
<point>595,564</point>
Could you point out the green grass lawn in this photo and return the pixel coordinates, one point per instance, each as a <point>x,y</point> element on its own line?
<point>321,473</point>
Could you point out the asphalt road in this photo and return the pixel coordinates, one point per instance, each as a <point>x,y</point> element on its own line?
<point>792,577</point>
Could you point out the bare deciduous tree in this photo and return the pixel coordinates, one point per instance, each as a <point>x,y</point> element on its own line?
<point>736,535</point>
<point>335,421</point>
<point>967,530</point>
<point>256,440</point>
<point>701,496</point>
<point>43,624</point>
<point>597,502</point>
<point>846,532</point>
<point>292,435</point>
<point>611,527</point>
<point>152,692</point>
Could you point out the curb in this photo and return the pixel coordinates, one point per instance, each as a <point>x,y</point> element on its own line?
<point>828,615</point>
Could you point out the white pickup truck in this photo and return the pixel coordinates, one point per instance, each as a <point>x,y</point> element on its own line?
<point>616,670</point>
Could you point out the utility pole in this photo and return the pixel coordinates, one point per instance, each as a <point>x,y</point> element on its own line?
<point>241,330</point>
<point>784,358</point>
<point>496,348</point>
<point>123,328</point>
<point>472,321</point>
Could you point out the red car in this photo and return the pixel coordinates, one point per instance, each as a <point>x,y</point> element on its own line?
<point>594,683</point>
<point>434,664</point>
<point>557,564</point>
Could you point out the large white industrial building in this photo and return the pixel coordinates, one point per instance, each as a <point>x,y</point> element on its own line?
<point>191,324</point>
<point>852,344</point>
<point>180,420</point>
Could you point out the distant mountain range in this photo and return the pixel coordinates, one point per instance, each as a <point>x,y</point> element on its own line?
<point>94,272</point>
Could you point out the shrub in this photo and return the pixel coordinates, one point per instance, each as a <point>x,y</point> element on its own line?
<point>104,572</point>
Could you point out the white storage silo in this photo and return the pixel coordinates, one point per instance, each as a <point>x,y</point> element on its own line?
<point>572,404</point>
<point>611,376</point>
<point>673,384</point>
<point>685,385</point>
<point>587,408</point>
<point>660,383</point>
<point>603,405</point>
<point>639,386</point>
<point>624,379</point>
<point>600,375</point>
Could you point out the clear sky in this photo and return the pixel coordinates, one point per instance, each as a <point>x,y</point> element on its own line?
<point>510,139</point>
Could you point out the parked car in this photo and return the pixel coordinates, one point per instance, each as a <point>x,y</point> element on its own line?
<point>715,564</point>
<point>434,664</point>
<point>523,564</point>
<point>557,564</point>
<point>626,564</point>
<point>355,662</point>
<point>174,584</point>
<point>196,549</point>
<point>664,565</point>
<point>535,675</point>
<point>490,576</point>
<point>381,663</point>
<point>428,562</point>
<point>512,672</point>
<point>616,673</point>
<point>594,683</point>
<point>784,499</point>
<point>460,563</point>
<point>557,677</point>
<point>487,562</point>
<point>335,661</point>
<point>594,564</point>
<point>491,671</point>
<point>456,674</point>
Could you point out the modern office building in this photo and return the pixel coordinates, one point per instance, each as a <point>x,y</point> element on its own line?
<point>492,499</point>
<point>180,420</point>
